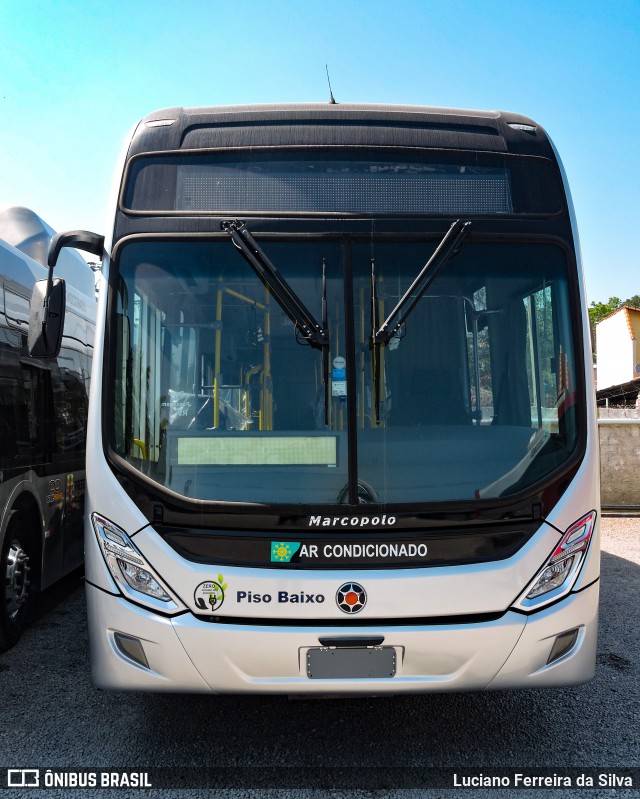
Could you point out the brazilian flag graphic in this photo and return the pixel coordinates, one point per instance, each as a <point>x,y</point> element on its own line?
<point>283,551</point>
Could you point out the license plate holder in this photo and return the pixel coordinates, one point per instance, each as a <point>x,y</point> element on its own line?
<point>351,663</point>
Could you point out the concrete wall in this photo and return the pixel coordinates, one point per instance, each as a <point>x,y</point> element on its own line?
<point>619,430</point>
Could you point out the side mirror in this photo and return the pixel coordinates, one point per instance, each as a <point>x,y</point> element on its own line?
<point>48,301</point>
<point>46,318</point>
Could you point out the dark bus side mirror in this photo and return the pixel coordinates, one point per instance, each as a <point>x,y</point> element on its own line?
<point>48,301</point>
<point>46,318</point>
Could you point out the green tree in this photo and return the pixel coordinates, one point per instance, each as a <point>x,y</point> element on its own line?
<point>599,310</point>
<point>634,301</point>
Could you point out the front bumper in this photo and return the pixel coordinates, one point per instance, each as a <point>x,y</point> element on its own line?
<point>185,654</point>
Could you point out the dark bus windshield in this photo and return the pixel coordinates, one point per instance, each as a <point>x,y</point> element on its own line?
<point>217,396</point>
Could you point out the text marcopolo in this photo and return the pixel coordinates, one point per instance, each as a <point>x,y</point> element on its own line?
<point>352,521</point>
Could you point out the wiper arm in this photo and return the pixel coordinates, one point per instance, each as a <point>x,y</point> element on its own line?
<point>445,251</point>
<point>315,334</point>
<point>381,334</point>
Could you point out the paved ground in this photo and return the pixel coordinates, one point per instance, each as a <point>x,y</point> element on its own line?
<point>52,716</point>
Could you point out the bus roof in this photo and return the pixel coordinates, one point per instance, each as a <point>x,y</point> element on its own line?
<point>24,230</point>
<point>339,124</point>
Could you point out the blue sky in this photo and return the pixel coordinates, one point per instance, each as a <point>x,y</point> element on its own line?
<point>76,76</point>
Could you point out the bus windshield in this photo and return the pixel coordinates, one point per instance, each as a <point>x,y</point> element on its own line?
<point>215,398</point>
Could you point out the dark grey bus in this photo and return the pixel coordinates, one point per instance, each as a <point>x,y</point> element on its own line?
<point>43,416</point>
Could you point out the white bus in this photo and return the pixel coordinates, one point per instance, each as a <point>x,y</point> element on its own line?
<point>43,417</point>
<point>344,439</point>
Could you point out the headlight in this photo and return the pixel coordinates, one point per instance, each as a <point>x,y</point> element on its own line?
<point>133,575</point>
<point>560,572</point>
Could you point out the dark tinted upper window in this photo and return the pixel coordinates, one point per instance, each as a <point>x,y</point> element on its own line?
<point>456,183</point>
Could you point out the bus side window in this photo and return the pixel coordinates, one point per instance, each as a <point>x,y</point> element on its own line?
<point>16,310</point>
<point>481,383</point>
<point>14,419</point>
<point>38,394</point>
<point>497,343</point>
<point>70,404</point>
<point>541,359</point>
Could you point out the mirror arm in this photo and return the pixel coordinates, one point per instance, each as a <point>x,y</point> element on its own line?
<point>80,239</point>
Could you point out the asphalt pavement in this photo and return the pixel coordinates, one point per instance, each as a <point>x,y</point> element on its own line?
<point>51,717</point>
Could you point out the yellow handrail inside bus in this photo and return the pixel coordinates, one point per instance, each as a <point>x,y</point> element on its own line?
<point>216,363</point>
<point>244,298</point>
<point>142,446</point>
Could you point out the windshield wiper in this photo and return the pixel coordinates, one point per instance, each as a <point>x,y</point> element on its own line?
<point>382,334</point>
<point>315,334</point>
<point>445,251</point>
<point>310,330</point>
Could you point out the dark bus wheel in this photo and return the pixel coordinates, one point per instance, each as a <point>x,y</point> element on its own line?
<point>16,588</point>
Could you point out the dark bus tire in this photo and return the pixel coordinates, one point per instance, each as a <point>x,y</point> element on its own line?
<point>15,586</point>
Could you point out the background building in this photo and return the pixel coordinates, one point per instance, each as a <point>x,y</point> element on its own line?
<point>618,347</point>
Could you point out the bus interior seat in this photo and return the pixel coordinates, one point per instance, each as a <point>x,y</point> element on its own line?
<point>434,397</point>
